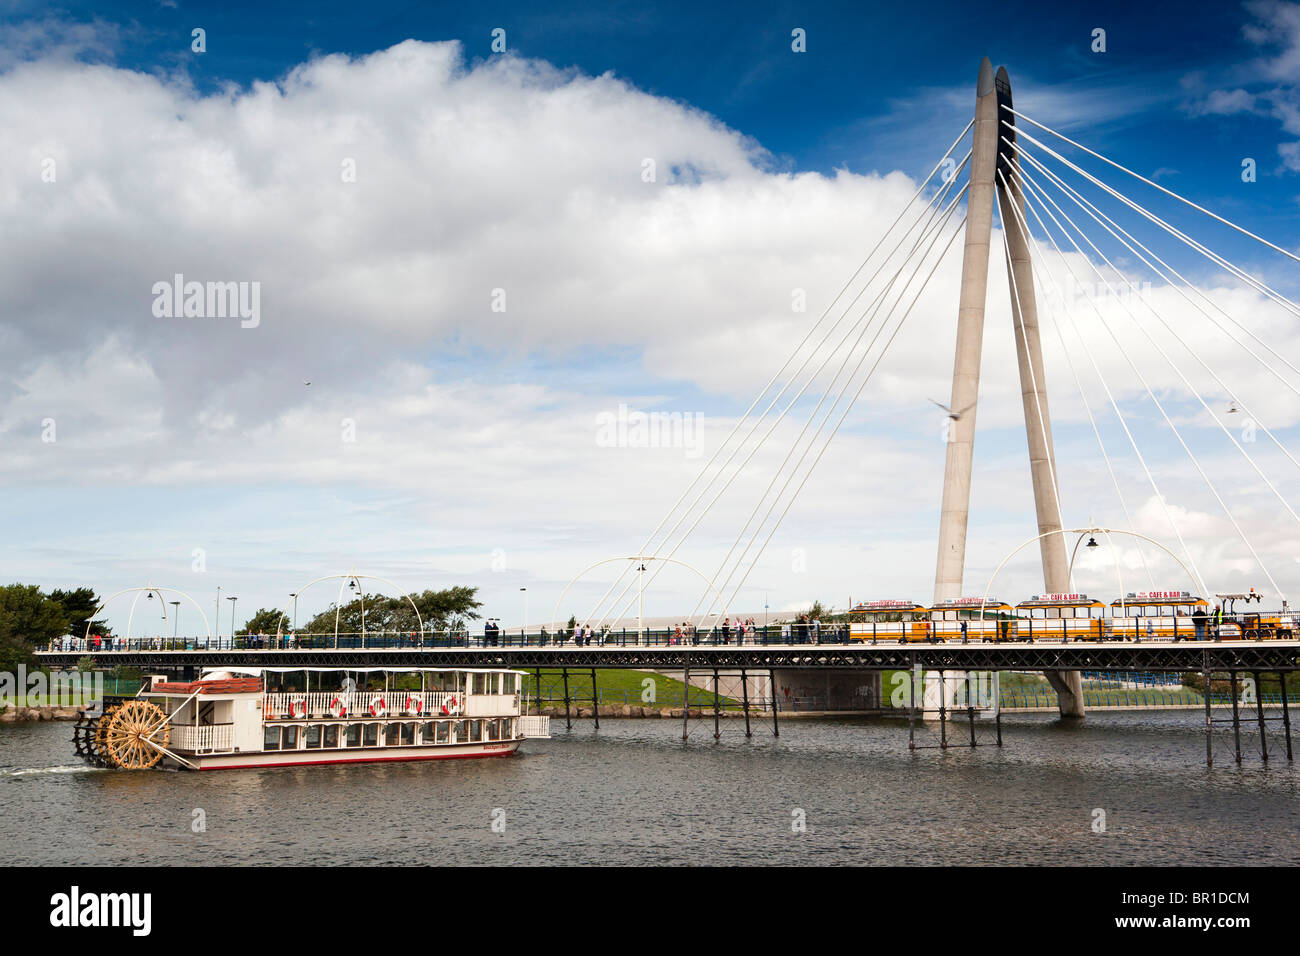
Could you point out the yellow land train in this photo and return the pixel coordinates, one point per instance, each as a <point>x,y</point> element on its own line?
<point>1245,624</point>
<point>947,617</point>
<point>1056,617</point>
<point>890,621</point>
<point>1156,616</point>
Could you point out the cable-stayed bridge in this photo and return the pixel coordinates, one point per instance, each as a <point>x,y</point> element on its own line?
<point>1076,249</point>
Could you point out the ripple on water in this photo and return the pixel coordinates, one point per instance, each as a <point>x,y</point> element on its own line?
<point>634,792</point>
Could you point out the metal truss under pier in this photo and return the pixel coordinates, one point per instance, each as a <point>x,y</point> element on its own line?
<point>1186,656</point>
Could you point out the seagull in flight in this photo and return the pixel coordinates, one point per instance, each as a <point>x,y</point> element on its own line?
<point>955,416</point>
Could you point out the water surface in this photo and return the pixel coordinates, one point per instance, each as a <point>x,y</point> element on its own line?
<point>635,793</point>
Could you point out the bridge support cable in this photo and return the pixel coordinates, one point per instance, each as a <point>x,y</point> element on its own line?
<point>1167,192</point>
<point>1145,384</point>
<point>1078,384</point>
<point>1110,395</point>
<point>1187,382</point>
<point>802,342</point>
<point>846,354</point>
<point>931,207</point>
<point>1169,360</point>
<point>1208,253</point>
<point>807,472</point>
<point>868,318</point>
<point>843,390</point>
<point>862,324</point>
<point>1128,241</point>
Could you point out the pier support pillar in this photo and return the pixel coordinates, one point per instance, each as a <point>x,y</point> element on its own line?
<point>744,690</point>
<point>686,699</point>
<point>1286,715</point>
<point>771,683</point>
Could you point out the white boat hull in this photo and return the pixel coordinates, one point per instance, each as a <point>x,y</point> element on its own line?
<point>305,758</point>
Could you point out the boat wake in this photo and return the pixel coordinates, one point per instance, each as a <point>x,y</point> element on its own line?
<point>42,771</point>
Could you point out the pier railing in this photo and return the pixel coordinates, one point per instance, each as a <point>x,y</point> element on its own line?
<point>1129,630</point>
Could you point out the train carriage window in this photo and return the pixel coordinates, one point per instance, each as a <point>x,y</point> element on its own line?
<point>271,738</point>
<point>372,735</point>
<point>312,736</point>
<point>354,735</point>
<point>331,735</point>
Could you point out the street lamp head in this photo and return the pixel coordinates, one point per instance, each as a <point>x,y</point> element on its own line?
<point>1092,543</point>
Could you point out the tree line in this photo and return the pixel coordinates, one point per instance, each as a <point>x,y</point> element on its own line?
<point>449,609</point>
<point>32,618</point>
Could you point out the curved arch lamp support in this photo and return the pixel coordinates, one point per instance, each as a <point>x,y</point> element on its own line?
<point>343,579</point>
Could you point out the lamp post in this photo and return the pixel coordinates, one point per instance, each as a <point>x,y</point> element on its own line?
<point>640,577</point>
<point>232,599</point>
<point>216,618</point>
<point>294,595</point>
<point>176,613</point>
<point>523,631</point>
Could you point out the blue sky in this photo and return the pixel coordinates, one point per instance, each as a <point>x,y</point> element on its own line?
<point>1183,99</point>
<point>865,65</point>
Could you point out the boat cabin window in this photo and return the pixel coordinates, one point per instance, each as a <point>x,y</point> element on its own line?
<point>372,735</point>
<point>289,741</point>
<point>390,735</point>
<point>271,738</point>
<point>462,731</point>
<point>354,735</point>
<point>331,735</point>
<point>444,731</point>
<point>408,734</point>
<point>312,736</point>
<point>475,730</point>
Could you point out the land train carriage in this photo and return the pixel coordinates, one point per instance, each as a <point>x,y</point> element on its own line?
<point>890,621</point>
<point>234,718</point>
<point>1157,615</point>
<point>1071,617</point>
<point>947,617</point>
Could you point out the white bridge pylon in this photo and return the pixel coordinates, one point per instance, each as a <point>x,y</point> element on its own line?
<point>1018,174</point>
